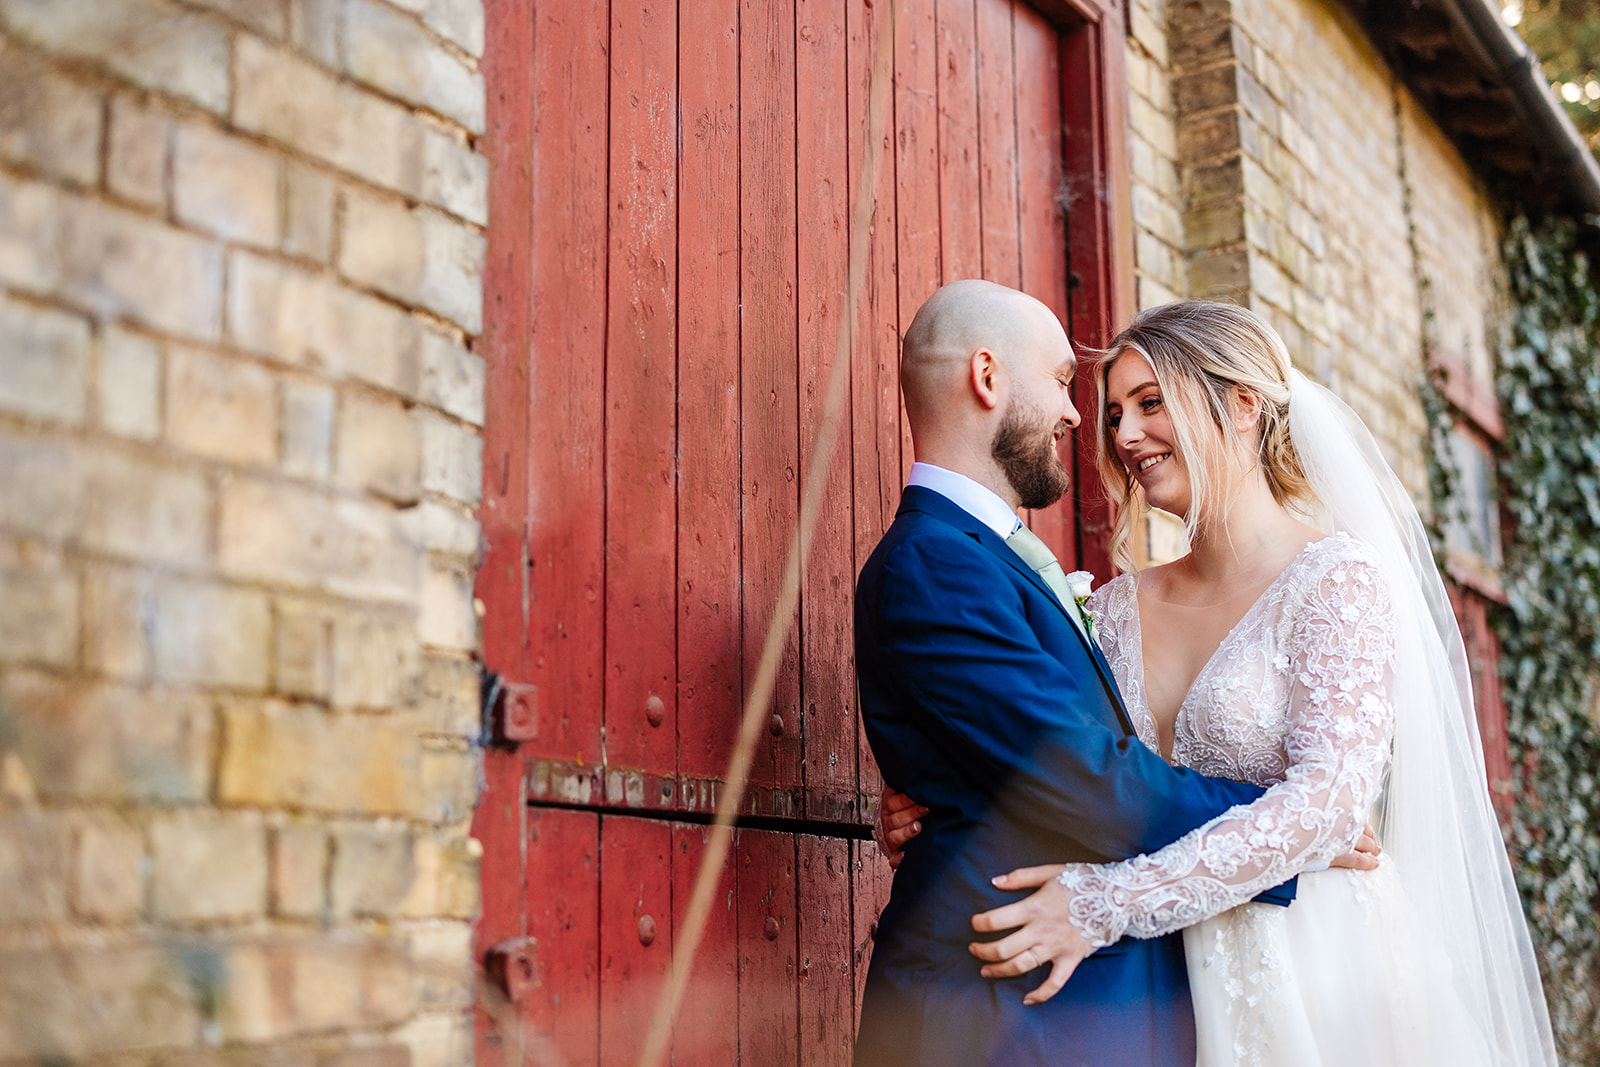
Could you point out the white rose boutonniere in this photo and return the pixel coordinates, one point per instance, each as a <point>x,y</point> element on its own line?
<point>1081,584</point>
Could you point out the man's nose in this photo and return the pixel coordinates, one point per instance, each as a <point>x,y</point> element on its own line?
<point>1069,413</point>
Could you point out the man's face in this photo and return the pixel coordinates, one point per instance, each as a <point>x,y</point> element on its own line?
<point>1037,416</point>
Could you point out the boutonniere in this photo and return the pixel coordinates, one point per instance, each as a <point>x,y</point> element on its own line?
<point>1081,584</point>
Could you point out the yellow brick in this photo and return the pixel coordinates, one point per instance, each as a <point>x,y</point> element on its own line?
<point>109,743</point>
<point>379,447</point>
<point>39,622</point>
<point>116,604</point>
<point>35,862</point>
<point>116,263</point>
<point>446,884</point>
<point>221,408</point>
<point>71,1001</point>
<point>276,755</point>
<point>296,537</point>
<point>374,869</point>
<point>58,128</point>
<point>447,785</point>
<point>108,878</point>
<point>211,634</point>
<point>442,1040</point>
<point>227,185</point>
<point>139,152</point>
<point>303,652</point>
<point>208,866</point>
<point>299,870</point>
<point>375,660</point>
<point>450,695</point>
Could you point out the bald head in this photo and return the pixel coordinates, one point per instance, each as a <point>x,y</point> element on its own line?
<point>956,321</point>
<point>986,372</point>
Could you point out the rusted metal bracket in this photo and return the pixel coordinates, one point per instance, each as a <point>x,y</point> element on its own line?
<point>510,966</point>
<point>510,710</point>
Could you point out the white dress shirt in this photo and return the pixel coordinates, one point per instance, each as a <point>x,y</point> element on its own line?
<point>975,498</point>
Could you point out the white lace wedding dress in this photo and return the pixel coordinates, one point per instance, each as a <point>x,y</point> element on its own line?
<point>1295,698</point>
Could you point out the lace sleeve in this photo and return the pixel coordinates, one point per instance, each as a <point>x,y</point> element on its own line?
<point>1339,660</point>
<point>1115,610</point>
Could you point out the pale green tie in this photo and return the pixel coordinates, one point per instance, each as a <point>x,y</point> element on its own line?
<point>1036,554</point>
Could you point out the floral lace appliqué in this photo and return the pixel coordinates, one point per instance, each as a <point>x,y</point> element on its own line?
<point>1296,699</point>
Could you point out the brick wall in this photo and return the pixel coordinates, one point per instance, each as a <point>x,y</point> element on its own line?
<point>1160,245</point>
<point>1300,167</point>
<point>1458,236</point>
<point>240,256</point>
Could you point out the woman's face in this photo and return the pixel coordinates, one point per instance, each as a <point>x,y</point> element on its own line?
<point>1141,431</point>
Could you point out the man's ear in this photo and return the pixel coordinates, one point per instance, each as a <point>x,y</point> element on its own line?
<point>985,372</point>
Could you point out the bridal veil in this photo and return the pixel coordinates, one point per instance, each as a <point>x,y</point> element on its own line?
<point>1434,817</point>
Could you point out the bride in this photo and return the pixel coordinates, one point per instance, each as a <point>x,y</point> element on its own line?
<point>1305,643</point>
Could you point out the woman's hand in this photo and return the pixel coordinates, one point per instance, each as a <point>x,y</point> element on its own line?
<point>1043,934</point>
<point>897,824</point>
<point>1364,857</point>
<point>1043,931</point>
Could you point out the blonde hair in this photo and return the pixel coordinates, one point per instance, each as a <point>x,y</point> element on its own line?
<point>1204,354</point>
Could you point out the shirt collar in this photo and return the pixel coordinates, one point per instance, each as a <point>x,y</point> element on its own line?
<point>976,499</point>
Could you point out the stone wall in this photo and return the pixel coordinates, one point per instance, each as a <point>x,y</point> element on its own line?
<point>240,258</point>
<point>1301,169</point>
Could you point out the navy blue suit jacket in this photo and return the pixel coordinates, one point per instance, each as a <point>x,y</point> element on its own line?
<point>984,702</point>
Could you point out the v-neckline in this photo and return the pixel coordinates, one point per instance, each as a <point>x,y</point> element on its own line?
<point>1205,668</point>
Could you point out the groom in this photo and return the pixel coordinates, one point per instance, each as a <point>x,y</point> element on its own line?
<point>986,701</point>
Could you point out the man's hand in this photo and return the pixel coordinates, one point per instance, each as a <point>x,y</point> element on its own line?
<point>897,824</point>
<point>1043,934</point>
<point>1364,857</point>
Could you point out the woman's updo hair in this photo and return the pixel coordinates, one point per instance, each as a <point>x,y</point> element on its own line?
<point>1205,354</point>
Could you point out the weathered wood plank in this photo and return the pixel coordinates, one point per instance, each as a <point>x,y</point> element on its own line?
<point>640,382</point>
<point>875,337</point>
<point>635,931</point>
<point>769,361</point>
<point>768,1006</point>
<point>1100,235</point>
<point>505,344</point>
<point>708,1024</point>
<point>827,664</point>
<point>997,142</point>
<point>1043,227</point>
<point>710,650</point>
<point>870,880</point>
<point>826,973</point>
<point>960,214</point>
<point>916,119</point>
<point>498,825</point>
<point>565,580</point>
<point>561,1011</point>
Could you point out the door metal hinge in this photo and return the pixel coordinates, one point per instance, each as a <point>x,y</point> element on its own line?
<point>510,710</point>
<point>510,966</point>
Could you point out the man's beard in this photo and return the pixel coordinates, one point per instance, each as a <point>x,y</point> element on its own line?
<point>1027,455</point>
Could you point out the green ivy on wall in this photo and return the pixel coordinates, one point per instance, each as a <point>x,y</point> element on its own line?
<point>1549,486</point>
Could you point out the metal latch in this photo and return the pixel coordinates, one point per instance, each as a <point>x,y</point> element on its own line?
<point>511,709</point>
<point>510,966</point>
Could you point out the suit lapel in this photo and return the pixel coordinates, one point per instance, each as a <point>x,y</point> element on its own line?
<point>918,498</point>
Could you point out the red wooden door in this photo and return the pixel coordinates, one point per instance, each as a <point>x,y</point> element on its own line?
<point>671,187</point>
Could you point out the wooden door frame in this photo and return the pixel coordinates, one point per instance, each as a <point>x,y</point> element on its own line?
<point>1101,287</point>
<point>1100,298</point>
<point>1094,113</point>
